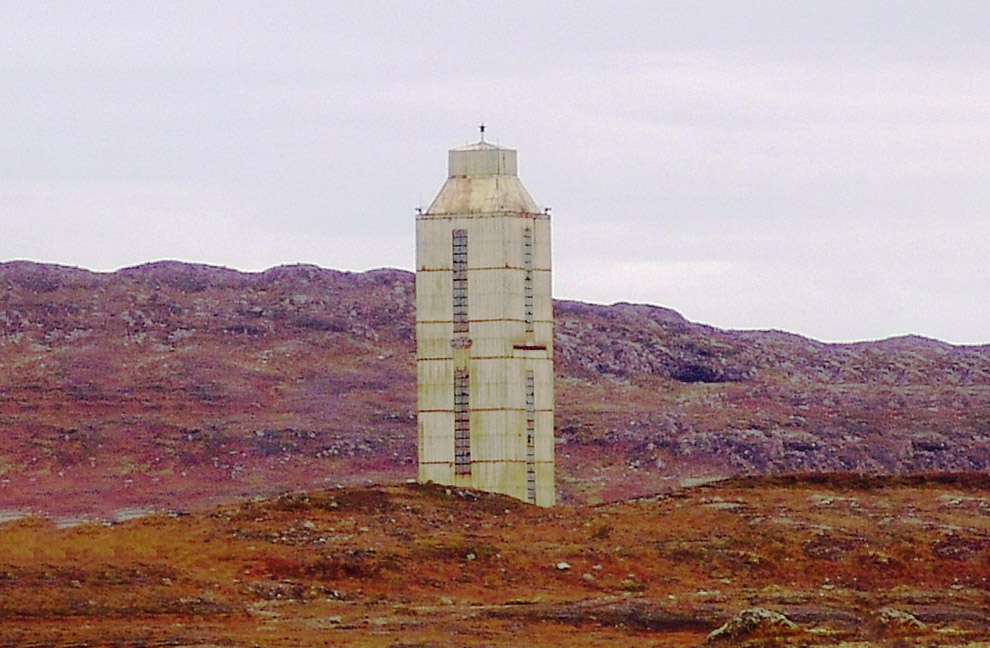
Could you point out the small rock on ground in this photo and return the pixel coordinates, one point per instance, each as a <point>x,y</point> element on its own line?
<point>752,623</point>
<point>893,622</point>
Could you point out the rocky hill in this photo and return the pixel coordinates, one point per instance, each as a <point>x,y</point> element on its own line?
<point>175,385</point>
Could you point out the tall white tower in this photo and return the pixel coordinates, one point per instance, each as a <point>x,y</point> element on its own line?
<point>484,331</point>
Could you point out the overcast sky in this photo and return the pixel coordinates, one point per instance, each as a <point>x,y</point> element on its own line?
<point>817,167</point>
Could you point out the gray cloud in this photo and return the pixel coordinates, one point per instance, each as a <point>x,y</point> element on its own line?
<point>818,167</point>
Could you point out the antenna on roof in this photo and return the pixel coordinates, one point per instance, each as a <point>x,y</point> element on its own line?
<point>481,127</point>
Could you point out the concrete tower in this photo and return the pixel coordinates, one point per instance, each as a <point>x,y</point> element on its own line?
<point>484,331</point>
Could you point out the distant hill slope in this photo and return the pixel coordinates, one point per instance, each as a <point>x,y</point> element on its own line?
<point>172,384</point>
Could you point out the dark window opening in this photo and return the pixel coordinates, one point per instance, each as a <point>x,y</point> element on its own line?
<point>528,278</point>
<point>530,437</point>
<point>462,423</point>
<point>460,292</point>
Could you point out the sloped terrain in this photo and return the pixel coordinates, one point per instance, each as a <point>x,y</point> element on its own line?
<point>845,559</point>
<point>177,386</point>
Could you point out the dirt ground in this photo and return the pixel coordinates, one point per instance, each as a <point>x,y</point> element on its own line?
<point>410,565</point>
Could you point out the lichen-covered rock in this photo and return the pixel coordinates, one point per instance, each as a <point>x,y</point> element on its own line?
<point>752,624</point>
<point>891,622</point>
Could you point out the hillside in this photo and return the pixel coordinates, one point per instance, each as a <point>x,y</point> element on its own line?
<point>845,558</point>
<point>177,386</point>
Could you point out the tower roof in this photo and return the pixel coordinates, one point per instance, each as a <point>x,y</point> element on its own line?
<point>482,178</point>
<point>480,159</point>
<point>481,145</point>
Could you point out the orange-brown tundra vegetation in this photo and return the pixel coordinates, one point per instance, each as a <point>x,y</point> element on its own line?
<point>427,565</point>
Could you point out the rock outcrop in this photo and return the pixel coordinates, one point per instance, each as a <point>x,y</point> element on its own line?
<point>891,622</point>
<point>178,381</point>
<point>754,623</point>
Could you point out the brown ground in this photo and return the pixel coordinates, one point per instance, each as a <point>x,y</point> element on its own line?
<point>410,565</point>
